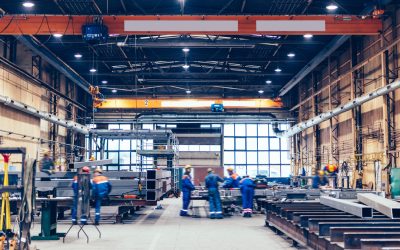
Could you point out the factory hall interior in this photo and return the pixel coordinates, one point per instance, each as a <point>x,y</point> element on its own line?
<point>204,125</point>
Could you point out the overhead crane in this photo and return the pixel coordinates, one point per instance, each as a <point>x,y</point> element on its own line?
<point>194,24</point>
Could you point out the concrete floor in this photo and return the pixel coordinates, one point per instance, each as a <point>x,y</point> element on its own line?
<point>165,230</point>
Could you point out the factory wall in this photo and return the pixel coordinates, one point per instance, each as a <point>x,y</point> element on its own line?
<point>332,84</point>
<point>27,91</point>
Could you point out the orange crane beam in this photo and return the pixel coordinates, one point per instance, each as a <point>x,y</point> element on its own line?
<point>196,24</point>
<point>188,103</point>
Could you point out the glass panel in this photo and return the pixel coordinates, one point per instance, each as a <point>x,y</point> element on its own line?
<point>124,158</point>
<point>133,158</point>
<point>240,129</point>
<point>262,143</point>
<point>125,144</point>
<point>284,126</point>
<point>126,168</point>
<point>113,126</point>
<point>171,125</point>
<point>215,148</point>
<point>263,170</point>
<point>229,157</point>
<point>112,168</point>
<point>215,125</point>
<point>205,126</point>
<point>274,143</point>
<point>193,148</point>
<point>147,126</point>
<point>125,126</point>
<point>113,144</point>
<point>135,144</point>
<point>284,144</point>
<point>229,143</point>
<point>113,156</point>
<point>285,171</point>
<point>285,157</point>
<point>270,130</point>
<point>263,157</point>
<point>262,129</point>
<point>251,144</point>
<point>204,148</point>
<point>229,130</point>
<point>252,170</point>
<point>251,157</point>
<point>251,130</point>
<point>240,143</point>
<point>183,147</point>
<point>275,171</point>
<point>240,157</point>
<point>241,170</point>
<point>275,157</point>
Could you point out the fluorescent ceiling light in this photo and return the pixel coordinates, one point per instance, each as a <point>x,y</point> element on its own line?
<point>28,4</point>
<point>114,91</point>
<point>261,91</point>
<point>268,81</point>
<point>57,35</point>
<point>92,70</point>
<point>185,66</point>
<point>185,50</point>
<point>308,36</point>
<point>331,7</point>
<point>78,55</point>
<point>278,69</point>
<point>104,82</point>
<point>291,55</point>
<point>188,91</point>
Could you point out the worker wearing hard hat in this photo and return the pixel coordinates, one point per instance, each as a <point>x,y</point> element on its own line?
<point>214,198</point>
<point>320,180</point>
<point>101,189</point>
<point>247,186</point>
<point>187,188</point>
<point>233,180</point>
<point>76,187</point>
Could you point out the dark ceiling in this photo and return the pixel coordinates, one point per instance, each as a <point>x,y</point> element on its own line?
<point>219,65</point>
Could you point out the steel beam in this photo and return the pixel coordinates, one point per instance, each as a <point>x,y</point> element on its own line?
<point>92,163</point>
<point>193,24</point>
<point>388,207</point>
<point>348,206</point>
<point>132,134</point>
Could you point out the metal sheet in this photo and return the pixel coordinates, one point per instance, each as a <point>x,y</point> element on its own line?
<point>347,206</point>
<point>388,207</point>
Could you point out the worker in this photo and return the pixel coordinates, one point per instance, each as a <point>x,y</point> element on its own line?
<point>214,198</point>
<point>187,188</point>
<point>320,180</point>
<point>75,187</point>
<point>47,164</point>
<point>247,186</point>
<point>101,189</point>
<point>233,180</point>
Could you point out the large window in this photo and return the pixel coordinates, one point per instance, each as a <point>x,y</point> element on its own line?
<point>253,149</point>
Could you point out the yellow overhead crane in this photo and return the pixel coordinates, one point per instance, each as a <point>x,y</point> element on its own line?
<point>186,103</point>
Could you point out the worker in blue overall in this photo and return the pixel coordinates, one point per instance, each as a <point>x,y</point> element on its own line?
<point>233,180</point>
<point>247,187</point>
<point>187,188</point>
<point>101,188</point>
<point>214,198</point>
<point>75,187</point>
<point>320,180</point>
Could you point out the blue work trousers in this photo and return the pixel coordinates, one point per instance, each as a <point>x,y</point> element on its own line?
<point>215,201</point>
<point>186,200</point>
<point>247,197</point>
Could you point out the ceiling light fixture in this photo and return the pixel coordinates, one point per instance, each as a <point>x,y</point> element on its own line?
<point>185,66</point>
<point>57,35</point>
<point>188,91</point>
<point>308,36</point>
<point>278,69</point>
<point>93,70</point>
<point>114,91</point>
<point>261,91</point>
<point>291,55</point>
<point>28,4</point>
<point>186,50</point>
<point>78,55</point>
<point>331,7</point>
<point>104,82</point>
<point>268,81</point>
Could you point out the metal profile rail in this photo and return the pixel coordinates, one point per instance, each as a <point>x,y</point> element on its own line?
<point>348,206</point>
<point>388,207</point>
